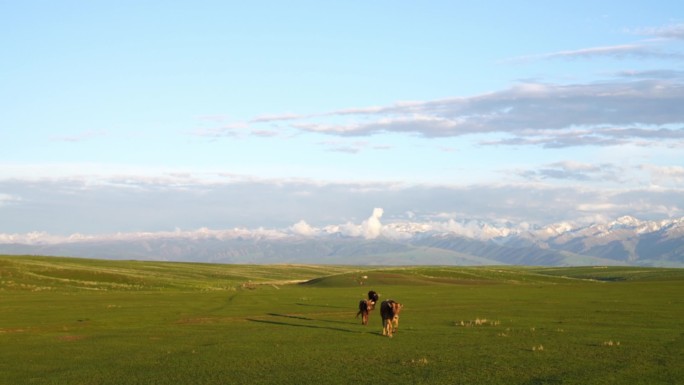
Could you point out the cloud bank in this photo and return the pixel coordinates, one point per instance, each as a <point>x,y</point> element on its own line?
<point>69,206</point>
<point>370,229</point>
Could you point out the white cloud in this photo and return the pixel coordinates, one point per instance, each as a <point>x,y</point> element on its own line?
<point>6,199</point>
<point>304,229</point>
<point>596,207</point>
<point>666,175</point>
<point>371,228</point>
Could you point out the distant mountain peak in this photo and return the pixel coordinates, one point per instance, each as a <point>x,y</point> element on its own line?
<point>627,221</point>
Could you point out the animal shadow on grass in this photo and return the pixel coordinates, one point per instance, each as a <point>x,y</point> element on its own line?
<point>311,319</point>
<point>291,316</point>
<point>299,325</point>
<point>314,305</point>
<point>543,381</point>
<point>298,317</point>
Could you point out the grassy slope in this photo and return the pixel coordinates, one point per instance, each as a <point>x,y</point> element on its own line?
<point>112,322</point>
<point>52,273</point>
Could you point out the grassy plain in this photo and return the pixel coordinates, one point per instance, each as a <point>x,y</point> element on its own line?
<point>78,321</point>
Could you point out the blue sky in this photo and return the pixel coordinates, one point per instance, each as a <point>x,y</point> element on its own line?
<point>128,116</point>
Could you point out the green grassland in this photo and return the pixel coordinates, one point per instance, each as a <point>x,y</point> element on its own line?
<point>79,321</point>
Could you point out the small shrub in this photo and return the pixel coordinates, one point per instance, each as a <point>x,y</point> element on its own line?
<point>248,285</point>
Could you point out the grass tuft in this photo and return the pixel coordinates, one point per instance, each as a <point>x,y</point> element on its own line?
<point>477,322</point>
<point>417,362</point>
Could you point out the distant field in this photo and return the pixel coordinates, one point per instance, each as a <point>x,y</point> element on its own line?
<point>79,321</point>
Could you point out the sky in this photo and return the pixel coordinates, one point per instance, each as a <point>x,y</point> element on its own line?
<point>157,116</point>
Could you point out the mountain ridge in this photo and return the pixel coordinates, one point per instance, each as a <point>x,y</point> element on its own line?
<point>624,241</point>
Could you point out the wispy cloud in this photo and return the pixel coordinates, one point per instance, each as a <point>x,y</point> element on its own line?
<point>353,147</point>
<point>265,133</point>
<point>600,136</point>
<point>637,50</point>
<point>652,74</point>
<point>277,118</point>
<point>672,31</point>
<point>231,130</point>
<point>80,137</point>
<point>241,130</point>
<point>645,49</point>
<point>343,147</point>
<point>642,107</point>
<point>641,110</point>
<point>575,171</point>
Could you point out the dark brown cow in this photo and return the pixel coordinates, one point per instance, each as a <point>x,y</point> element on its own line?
<point>389,310</point>
<point>365,306</point>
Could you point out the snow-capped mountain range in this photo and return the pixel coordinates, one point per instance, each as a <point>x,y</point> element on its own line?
<point>624,241</point>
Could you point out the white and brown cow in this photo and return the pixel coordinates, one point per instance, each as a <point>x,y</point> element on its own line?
<point>373,296</point>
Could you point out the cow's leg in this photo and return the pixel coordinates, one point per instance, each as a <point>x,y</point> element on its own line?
<point>387,329</point>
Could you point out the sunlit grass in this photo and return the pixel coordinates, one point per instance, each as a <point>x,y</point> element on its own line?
<point>124,322</point>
